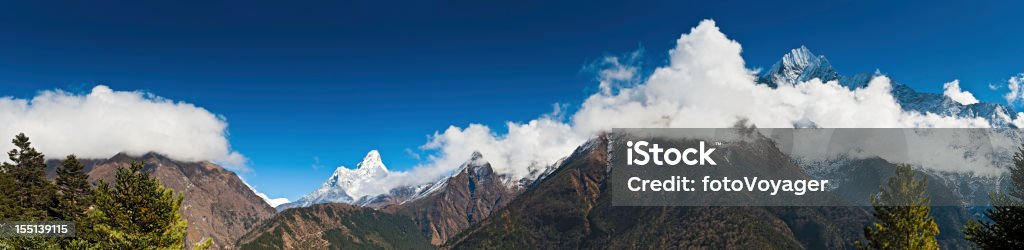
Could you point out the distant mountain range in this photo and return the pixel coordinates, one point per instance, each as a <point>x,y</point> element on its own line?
<point>800,65</point>
<point>345,185</point>
<point>440,209</point>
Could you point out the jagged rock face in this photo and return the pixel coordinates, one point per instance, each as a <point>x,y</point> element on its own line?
<point>217,203</point>
<point>467,197</point>
<point>335,226</point>
<point>800,65</point>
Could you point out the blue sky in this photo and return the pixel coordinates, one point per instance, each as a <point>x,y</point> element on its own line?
<point>333,80</point>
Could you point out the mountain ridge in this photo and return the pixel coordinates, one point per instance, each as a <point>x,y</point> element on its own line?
<point>800,65</point>
<point>334,226</point>
<point>217,204</point>
<point>571,209</point>
<point>468,196</point>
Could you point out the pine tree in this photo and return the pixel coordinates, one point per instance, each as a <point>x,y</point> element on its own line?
<point>1006,230</point>
<point>30,196</point>
<point>137,212</point>
<point>902,211</point>
<point>7,186</point>
<point>74,192</point>
<point>33,194</point>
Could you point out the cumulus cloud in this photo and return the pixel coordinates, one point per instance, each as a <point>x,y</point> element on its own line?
<point>617,71</point>
<point>104,122</point>
<point>521,151</point>
<point>953,91</point>
<point>1016,89</point>
<point>975,151</point>
<point>706,83</point>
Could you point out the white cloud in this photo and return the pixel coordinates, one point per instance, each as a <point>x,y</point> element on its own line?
<point>535,144</point>
<point>615,71</point>
<point>952,90</point>
<point>707,84</point>
<point>104,122</point>
<point>523,150</point>
<point>1016,89</point>
<point>273,202</point>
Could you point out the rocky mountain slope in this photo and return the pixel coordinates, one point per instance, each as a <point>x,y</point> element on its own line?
<point>437,210</point>
<point>335,226</point>
<point>217,203</point>
<point>572,209</point>
<point>470,195</point>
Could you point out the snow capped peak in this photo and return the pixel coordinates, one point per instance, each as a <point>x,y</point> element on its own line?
<point>799,56</point>
<point>339,171</point>
<point>347,185</point>
<point>372,161</point>
<point>373,155</point>
<point>800,65</point>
